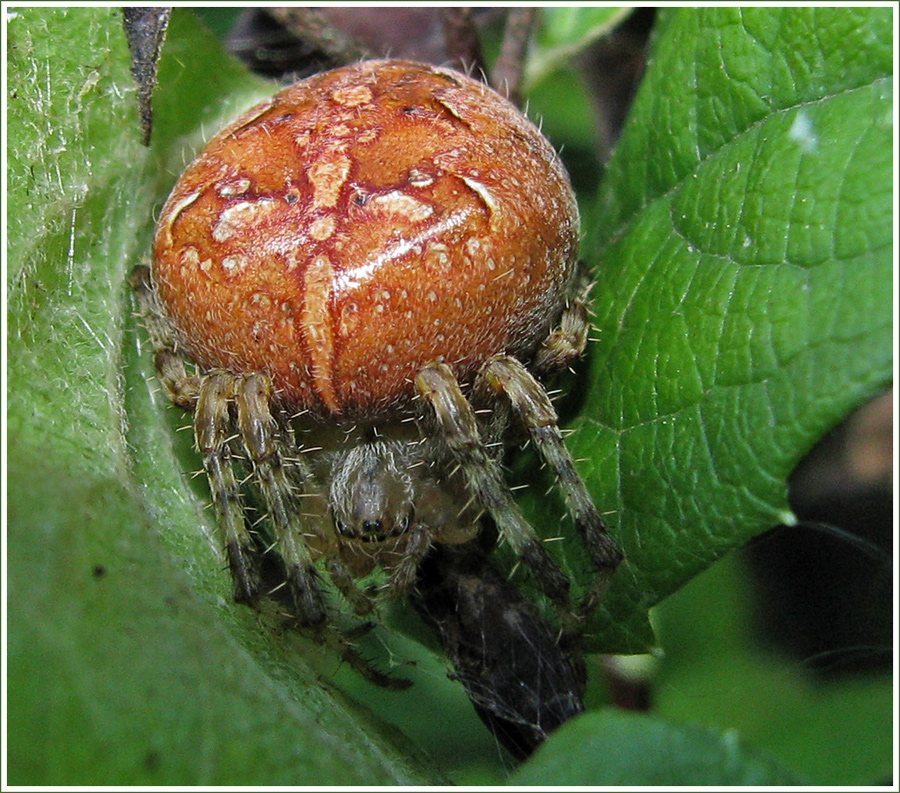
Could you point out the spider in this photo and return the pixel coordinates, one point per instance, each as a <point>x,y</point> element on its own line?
<point>372,272</point>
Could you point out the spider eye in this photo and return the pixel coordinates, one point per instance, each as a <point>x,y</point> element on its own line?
<point>372,526</point>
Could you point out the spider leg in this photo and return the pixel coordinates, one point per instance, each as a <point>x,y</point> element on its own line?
<point>343,645</point>
<point>343,579</point>
<point>531,404</point>
<point>567,342</point>
<point>212,425</point>
<point>484,478</point>
<point>181,388</point>
<point>404,574</point>
<point>263,439</point>
<point>210,399</point>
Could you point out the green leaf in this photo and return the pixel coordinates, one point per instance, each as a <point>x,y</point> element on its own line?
<point>564,32</point>
<point>742,243</point>
<point>610,748</point>
<point>128,664</point>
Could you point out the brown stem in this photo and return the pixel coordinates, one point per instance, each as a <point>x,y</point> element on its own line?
<point>461,40</point>
<point>311,26</point>
<point>507,75</point>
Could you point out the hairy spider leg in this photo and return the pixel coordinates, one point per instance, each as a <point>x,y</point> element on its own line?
<point>533,408</point>
<point>343,579</point>
<point>209,398</point>
<point>263,442</point>
<point>341,644</point>
<point>567,342</point>
<point>212,430</point>
<point>181,388</point>
<point>484,478</point>
<point>403,576</point>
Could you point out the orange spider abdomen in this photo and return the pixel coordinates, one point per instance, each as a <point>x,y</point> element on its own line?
<point>361,224</point>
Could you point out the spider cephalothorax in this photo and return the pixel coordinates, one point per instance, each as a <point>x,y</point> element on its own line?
<point>372,270</point>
